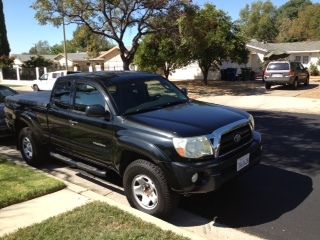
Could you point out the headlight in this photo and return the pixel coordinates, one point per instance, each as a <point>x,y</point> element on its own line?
<point>194,147</point>
<point>251,119</point>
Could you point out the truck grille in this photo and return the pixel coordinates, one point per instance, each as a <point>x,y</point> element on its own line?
<point>235,139</point>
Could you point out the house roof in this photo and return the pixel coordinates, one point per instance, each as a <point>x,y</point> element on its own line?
<point>26,57</point>
<point>105,54</point>
<point>74,57</point>
<point>290,47</point>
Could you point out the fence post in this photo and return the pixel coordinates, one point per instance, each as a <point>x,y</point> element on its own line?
<point>37,73</point>
<point>45,70</point>
<point>1,75</point>
<point>90,68</point>
<point>18,73</point>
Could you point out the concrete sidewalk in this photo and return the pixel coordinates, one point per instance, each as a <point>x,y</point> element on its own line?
<point>80,191</point>
<point>268,103</point>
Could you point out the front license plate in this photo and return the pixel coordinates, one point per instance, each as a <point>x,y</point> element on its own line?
<point>242,162</point>
<point>277,75</point>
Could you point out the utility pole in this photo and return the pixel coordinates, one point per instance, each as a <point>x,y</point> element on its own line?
<point>64,35</point>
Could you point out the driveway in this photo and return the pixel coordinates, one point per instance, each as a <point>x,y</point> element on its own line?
<point>197,89</point>
<point>280,198</point>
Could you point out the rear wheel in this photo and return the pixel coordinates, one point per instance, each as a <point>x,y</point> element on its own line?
<point>147,189</point>
<point>35,88</point>
<point>30,151</point>
<point>267,86</point>
<point>295,84</point>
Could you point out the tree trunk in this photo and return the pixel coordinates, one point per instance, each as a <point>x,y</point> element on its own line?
<point>126,64</point>
<point>205,72</point>
<point>166,72</point>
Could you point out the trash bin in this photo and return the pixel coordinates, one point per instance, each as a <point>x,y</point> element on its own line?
<point>231,74</point>
<point>246,74</point>
<point>223,74</point>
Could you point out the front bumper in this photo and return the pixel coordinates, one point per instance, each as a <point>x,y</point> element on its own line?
<point>212,173</point>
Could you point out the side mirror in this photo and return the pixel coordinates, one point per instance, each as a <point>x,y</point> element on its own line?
<point>97,111</point>
<point>184,91</point>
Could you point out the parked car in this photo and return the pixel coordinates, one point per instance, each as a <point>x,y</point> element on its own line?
<point>47,80</point>
<point>4,92</point>
<point>285,73</point>
<point>141,126</point>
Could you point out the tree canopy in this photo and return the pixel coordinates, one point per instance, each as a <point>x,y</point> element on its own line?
<point>41,47</point>
<point>163,51</point>
<point>212,38</point>
<point>296,20</point>
<point>4,44</point>
<point>112,19</point>
<point>258,21</point>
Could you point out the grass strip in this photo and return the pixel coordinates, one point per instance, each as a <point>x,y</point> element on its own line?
<point>19,183</point>
<point>96,221</point>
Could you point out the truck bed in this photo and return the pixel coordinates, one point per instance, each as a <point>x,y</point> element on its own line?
<point>38,99</point>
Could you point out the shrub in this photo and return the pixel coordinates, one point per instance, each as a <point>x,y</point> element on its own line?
<point>313,69</point>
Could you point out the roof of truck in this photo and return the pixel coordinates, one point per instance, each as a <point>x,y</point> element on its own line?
<point>111,76</point>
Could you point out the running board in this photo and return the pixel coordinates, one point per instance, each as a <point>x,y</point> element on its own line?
<point>79,165</point>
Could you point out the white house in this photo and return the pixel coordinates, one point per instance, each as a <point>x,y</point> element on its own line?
<point>305,52</point>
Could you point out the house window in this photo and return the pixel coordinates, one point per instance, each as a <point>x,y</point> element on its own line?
<point>305,60</point>
<point>298,59</point>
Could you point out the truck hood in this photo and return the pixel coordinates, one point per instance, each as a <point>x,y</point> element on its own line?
<point>189,119</point>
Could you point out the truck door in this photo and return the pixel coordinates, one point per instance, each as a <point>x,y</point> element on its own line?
<point>59,116</point>
<point>91,137</point>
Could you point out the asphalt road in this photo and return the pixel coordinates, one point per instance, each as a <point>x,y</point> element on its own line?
<point>280,199</point>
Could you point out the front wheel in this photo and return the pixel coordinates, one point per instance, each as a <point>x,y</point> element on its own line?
<point>147,189</point>
<point>306,83</point>
<point>30,151</point>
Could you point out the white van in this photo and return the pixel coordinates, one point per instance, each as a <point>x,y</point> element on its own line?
<point>47,80</point>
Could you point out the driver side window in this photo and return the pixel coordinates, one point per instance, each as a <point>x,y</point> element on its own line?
<point>87,95</point>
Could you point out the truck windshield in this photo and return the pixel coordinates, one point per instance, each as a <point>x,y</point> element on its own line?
<point>136,96</point>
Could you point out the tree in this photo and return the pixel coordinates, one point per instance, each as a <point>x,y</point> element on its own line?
<point>159,52</point>
<point>290,9</point>
<point>301,28</point>
<point>37,61</point>
<point>258,21</point>
<point>4,44</point>
<point>111,19</point>
<point>163,51</point>
<point>212,38</point>
<point>40,48</point>
<point>86,41</point>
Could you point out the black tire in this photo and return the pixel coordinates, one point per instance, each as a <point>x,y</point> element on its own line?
<point>166,199</point>
<point>30,151</point>
<point>35,88</point>
<point>307,81</point>
<point>295,84</point>
<point>267,86</point>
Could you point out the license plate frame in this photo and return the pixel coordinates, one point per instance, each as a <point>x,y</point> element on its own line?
<point>277,75</point>
<point>243,162</point>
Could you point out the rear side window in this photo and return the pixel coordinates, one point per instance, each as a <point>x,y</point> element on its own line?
<point>278,66</point>
<point>61,94</point>
<point>87,95</point>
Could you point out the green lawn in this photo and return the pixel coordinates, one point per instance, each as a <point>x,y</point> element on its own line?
<point>20,183</point>
<point>93,221</point>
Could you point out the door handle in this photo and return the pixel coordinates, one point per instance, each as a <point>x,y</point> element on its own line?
<point>73,122</point>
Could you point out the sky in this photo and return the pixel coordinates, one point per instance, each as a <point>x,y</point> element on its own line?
<point>24,31</point>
